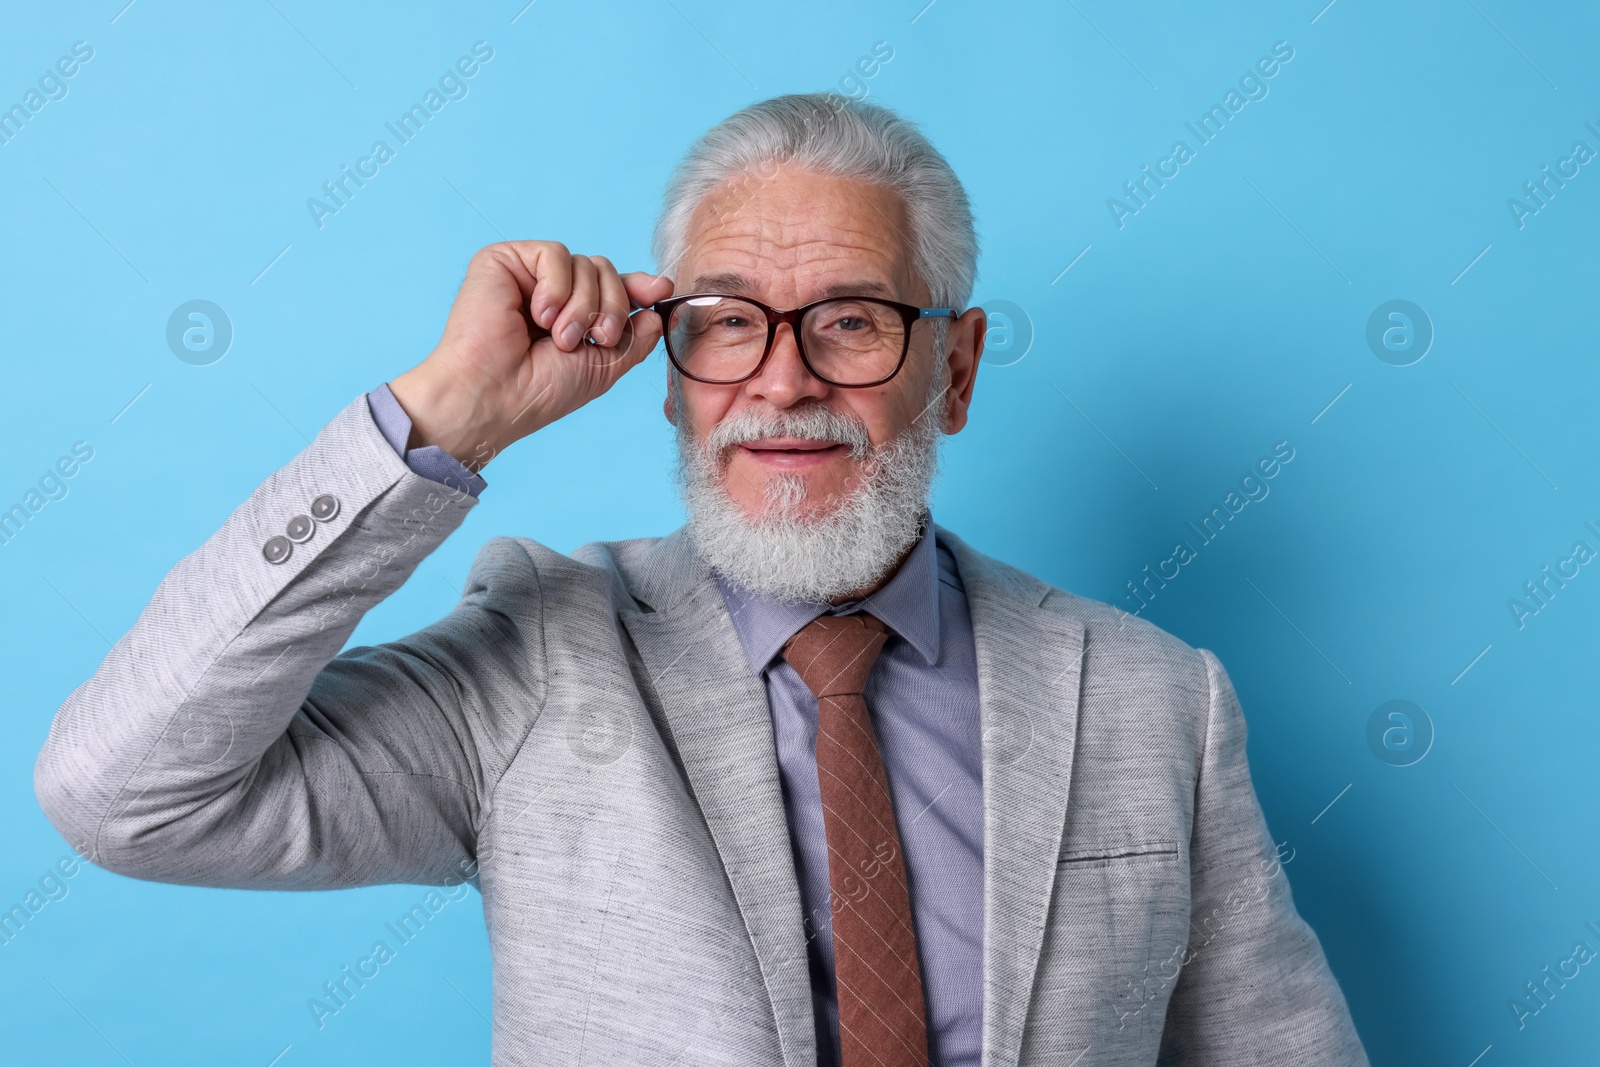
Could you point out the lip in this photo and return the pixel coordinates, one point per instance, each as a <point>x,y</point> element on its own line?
<point>788,443</point>
<point>790,452</point>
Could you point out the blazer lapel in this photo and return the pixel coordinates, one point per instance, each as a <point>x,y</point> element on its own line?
<point>1029,658</point>
<point>722,730</point>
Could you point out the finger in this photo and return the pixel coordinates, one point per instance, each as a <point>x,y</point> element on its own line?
<point>607,328</point>
<point>645,289</point>
<point>644,332</point>
<point>581,307</point>
<point>638,340</point>
<point>550,266</point>
<point>491,265</point>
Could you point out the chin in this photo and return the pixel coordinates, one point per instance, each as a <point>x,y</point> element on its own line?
<point>789,502</point>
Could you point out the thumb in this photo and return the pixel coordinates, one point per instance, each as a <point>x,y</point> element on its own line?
<point>645,289</point>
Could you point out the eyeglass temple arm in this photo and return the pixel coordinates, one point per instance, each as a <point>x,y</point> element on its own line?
<point>936,313</point>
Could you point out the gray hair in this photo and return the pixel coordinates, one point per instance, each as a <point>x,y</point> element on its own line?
<point>834,134</point>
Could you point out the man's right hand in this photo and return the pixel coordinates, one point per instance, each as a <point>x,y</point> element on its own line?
<point>514,356</point>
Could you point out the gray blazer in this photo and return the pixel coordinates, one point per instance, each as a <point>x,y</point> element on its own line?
<point>583,740</point>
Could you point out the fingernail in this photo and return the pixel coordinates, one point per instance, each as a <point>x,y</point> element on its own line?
<point>606,327</point>
<point>572,335</point>
<point>547,317</point>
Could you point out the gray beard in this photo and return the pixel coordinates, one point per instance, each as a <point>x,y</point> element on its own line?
<point>791,551</point>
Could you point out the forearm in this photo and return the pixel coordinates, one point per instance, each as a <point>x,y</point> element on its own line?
<point>163,747</point>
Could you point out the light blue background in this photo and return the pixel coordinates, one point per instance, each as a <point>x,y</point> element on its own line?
<point>1223,317</point>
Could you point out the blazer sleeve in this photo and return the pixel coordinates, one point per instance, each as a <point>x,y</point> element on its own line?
<point>221,743</point>
<point>1254,986</point>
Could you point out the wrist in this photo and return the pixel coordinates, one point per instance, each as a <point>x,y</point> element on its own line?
<point>446,414</point>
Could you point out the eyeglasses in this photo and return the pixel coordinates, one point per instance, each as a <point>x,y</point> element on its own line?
<point>851,341</point>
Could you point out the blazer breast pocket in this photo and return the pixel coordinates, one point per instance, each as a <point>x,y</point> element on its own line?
<point>1154,852</point>
<point>1127,906</point>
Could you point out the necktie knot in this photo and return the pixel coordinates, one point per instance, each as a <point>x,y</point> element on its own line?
<point>834,654</point>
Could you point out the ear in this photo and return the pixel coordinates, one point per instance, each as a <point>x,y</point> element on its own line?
<point>966,336</point>
<point>666,403</point>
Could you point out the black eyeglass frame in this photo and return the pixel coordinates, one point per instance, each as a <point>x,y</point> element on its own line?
<point>909,314</point>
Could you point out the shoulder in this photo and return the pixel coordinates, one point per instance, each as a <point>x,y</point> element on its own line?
<point>600,571</point>
<point>1131,650</point>
<point>1119,648</point>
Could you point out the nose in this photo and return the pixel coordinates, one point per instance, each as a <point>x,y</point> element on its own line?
<point>783,379</point>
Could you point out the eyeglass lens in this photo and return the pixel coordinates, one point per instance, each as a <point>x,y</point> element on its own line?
<point>847,341</point>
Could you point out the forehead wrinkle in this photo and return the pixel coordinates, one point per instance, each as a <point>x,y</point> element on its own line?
<point>821,262</point>
<point>785,222</point>
<point>773,236</point>
<point>844,280</point>
<point>776,232</point>
<point>742,285</point>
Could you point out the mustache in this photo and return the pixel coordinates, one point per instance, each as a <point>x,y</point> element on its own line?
<point>810,423</point>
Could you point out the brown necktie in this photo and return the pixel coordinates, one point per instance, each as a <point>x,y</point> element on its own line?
<point>882,1020</point>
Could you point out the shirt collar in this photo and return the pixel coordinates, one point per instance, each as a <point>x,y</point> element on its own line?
<point>908,603</point>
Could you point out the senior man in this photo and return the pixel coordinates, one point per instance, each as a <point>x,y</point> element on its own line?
<point>809,780</point>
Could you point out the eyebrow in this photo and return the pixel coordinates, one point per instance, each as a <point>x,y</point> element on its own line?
<point>738,283</point>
